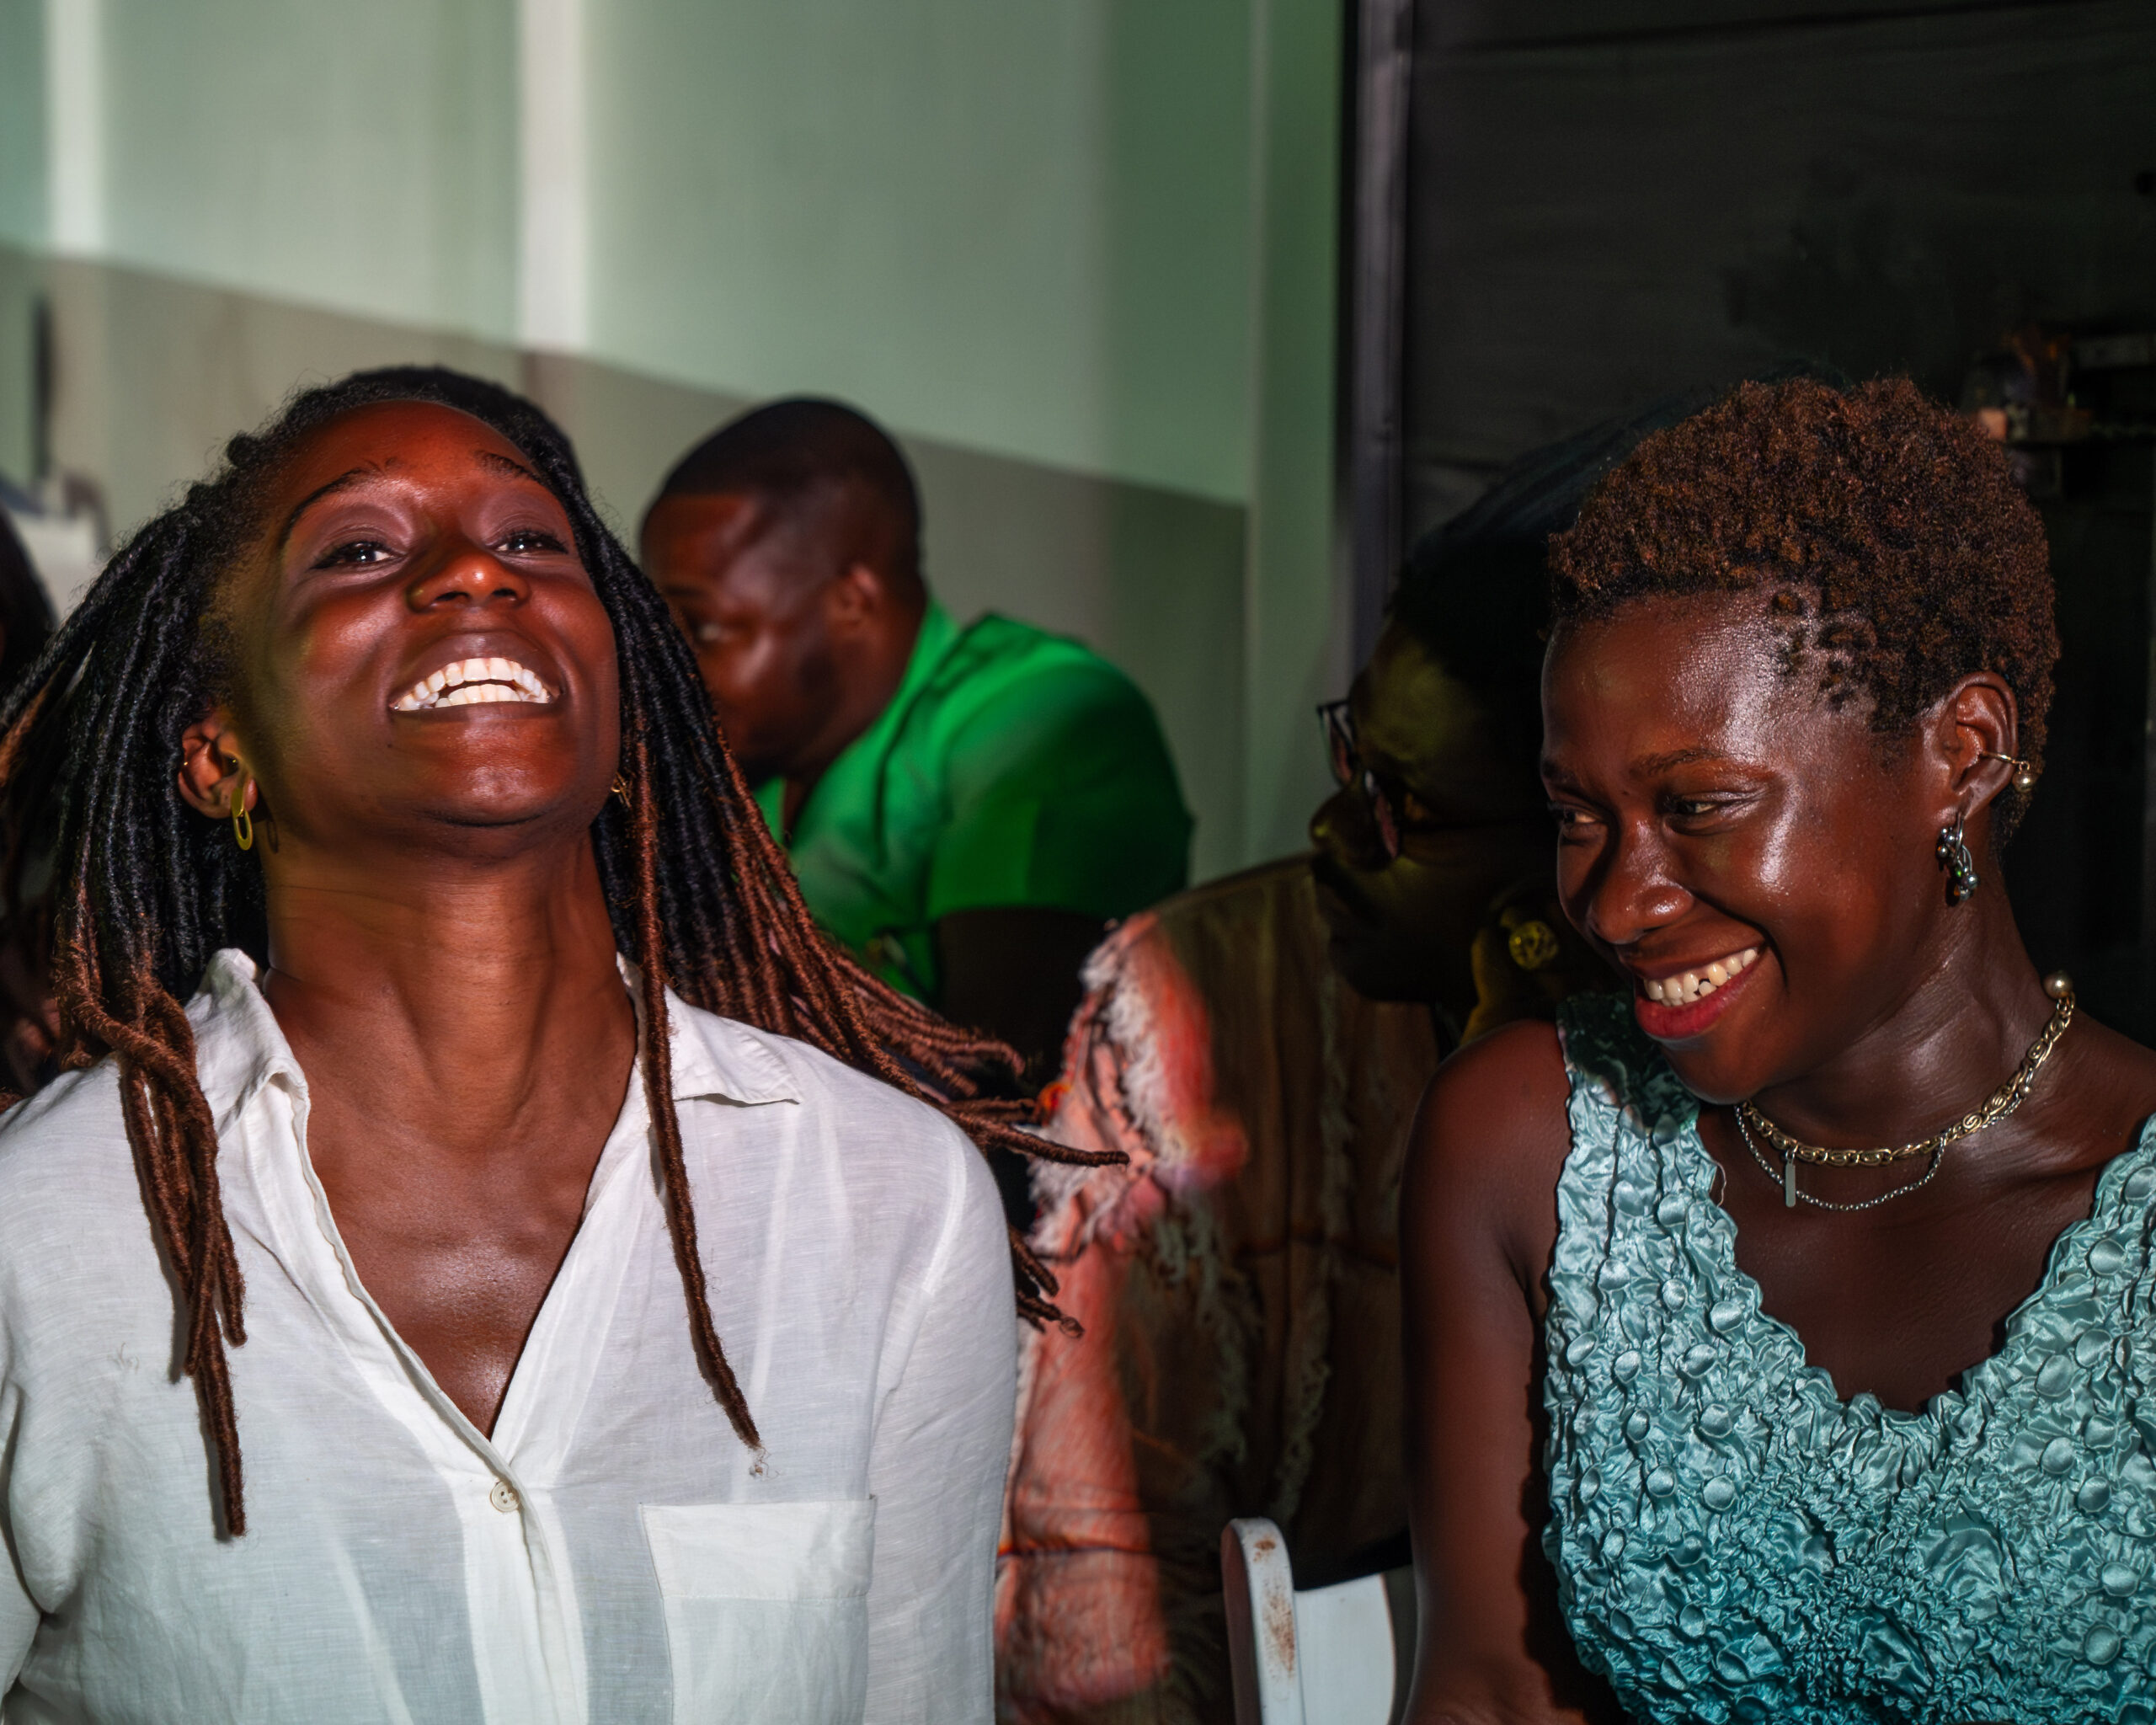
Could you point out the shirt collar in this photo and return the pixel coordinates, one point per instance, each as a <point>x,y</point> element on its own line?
<point>239,1046</point>
<point>719,1058</point>
<point>937,635</point>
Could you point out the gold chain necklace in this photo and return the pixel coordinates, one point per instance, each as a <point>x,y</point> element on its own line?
<point>2003,1102</point>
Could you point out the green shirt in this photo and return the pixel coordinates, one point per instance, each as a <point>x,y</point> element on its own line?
<point>1012,767</point>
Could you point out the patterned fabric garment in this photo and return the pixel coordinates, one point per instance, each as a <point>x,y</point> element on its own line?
<point>1734,1542</point>
<point>1236,1280</point>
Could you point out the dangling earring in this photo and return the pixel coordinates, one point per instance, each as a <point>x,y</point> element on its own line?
<point>1953,854</point>
<point>621,789</point>
<point>243,822</point>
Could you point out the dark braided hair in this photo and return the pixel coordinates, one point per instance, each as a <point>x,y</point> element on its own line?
<point>145,890</point>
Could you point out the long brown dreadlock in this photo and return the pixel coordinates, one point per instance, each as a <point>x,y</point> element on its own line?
<point>146,890</point>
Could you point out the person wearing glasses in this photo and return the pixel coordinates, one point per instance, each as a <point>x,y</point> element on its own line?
<point>1257,1047</point>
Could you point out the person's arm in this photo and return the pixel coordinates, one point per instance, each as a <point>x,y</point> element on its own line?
<point>19,1612</point>
<point>943,1446</point>
<point>1478,1223</point>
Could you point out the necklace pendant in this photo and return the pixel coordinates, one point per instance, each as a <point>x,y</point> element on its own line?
<point>1788,1183</point>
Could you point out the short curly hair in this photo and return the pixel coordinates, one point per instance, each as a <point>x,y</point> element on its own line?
<point>1887,531</point>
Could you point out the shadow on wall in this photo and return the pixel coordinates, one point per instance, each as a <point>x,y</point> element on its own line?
<point>150,376</point>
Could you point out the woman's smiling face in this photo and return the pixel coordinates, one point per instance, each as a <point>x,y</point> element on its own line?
<point>1716,813</point>
<point>417,648</point>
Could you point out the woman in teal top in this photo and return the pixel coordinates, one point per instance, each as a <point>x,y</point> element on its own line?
<point>1781,1344</point>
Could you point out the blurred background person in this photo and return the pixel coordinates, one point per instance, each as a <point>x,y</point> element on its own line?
<point>1257,1047</point>
<point>966,807</point>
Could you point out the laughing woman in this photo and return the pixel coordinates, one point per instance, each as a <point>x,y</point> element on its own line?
<point>1835,1343</point>
<point>448,1314</point>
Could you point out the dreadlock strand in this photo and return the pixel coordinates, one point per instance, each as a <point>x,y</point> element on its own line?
<point>159,1121</point>
<point>222,1286</point>
<point>25,722</point>
<point>666,1123</point>
<point>214,1385</point>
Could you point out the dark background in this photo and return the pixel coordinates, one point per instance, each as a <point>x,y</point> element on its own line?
<point>1602,200</point>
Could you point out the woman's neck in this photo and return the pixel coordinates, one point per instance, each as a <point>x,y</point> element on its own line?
<point>468,1003</point>
<point>1934,1051</point>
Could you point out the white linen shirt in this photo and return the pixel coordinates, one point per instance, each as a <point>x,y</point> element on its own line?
<point>613,1553</point>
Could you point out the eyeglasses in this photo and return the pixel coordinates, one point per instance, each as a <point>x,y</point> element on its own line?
<point>1349,773</point>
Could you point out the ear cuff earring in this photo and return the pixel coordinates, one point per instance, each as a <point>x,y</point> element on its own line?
<point>2025,776</point>
<point>1953,854</point>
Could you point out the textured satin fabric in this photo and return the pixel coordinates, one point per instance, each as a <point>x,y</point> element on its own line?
<point>1732,1542</point>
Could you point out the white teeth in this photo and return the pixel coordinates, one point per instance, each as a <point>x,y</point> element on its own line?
<point>471,682</point>
<point>1697,984</point>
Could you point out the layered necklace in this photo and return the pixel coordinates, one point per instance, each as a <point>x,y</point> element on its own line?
<point>1751,1125</point>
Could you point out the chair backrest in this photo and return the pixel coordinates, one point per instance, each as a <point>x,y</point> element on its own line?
<point>1322,1658</point>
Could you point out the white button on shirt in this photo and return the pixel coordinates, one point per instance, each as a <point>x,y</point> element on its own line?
<point>612,1553</point>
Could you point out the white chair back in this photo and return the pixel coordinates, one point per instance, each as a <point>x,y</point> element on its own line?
<point>1322,1658</point>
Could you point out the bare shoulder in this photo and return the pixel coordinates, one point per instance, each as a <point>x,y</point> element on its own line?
<point>1488,1143</point>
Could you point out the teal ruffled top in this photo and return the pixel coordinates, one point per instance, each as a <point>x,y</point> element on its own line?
<point>1733,1541</point>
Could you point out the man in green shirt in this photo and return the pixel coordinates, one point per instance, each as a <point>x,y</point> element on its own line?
<point>965,807</point>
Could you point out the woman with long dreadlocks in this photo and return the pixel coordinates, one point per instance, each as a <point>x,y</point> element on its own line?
<point>344,1367</point>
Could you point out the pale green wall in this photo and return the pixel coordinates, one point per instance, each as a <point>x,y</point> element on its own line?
<point>1090,240</point>
<point>22,122</point>
<point>22,218</point>
<point>1297,625</point>
<point>1023,228</point>
<point>356,155</point>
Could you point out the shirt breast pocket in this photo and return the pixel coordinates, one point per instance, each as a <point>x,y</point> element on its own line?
<point>767,1609</point>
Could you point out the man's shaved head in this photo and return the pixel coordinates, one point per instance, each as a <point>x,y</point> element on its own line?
<point>788,545</point>
<point>805,460</point>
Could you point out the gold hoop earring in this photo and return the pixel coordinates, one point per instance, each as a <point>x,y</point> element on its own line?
<point>621,788</point>
<point>243,822</point>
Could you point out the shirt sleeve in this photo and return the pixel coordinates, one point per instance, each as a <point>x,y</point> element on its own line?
<point>19,1612</point>
<point>1062,796</point>
<point>942,1449</point>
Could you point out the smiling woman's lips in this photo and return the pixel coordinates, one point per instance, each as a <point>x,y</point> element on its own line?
<point>1682,1022</point>
<point>475,682</point>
